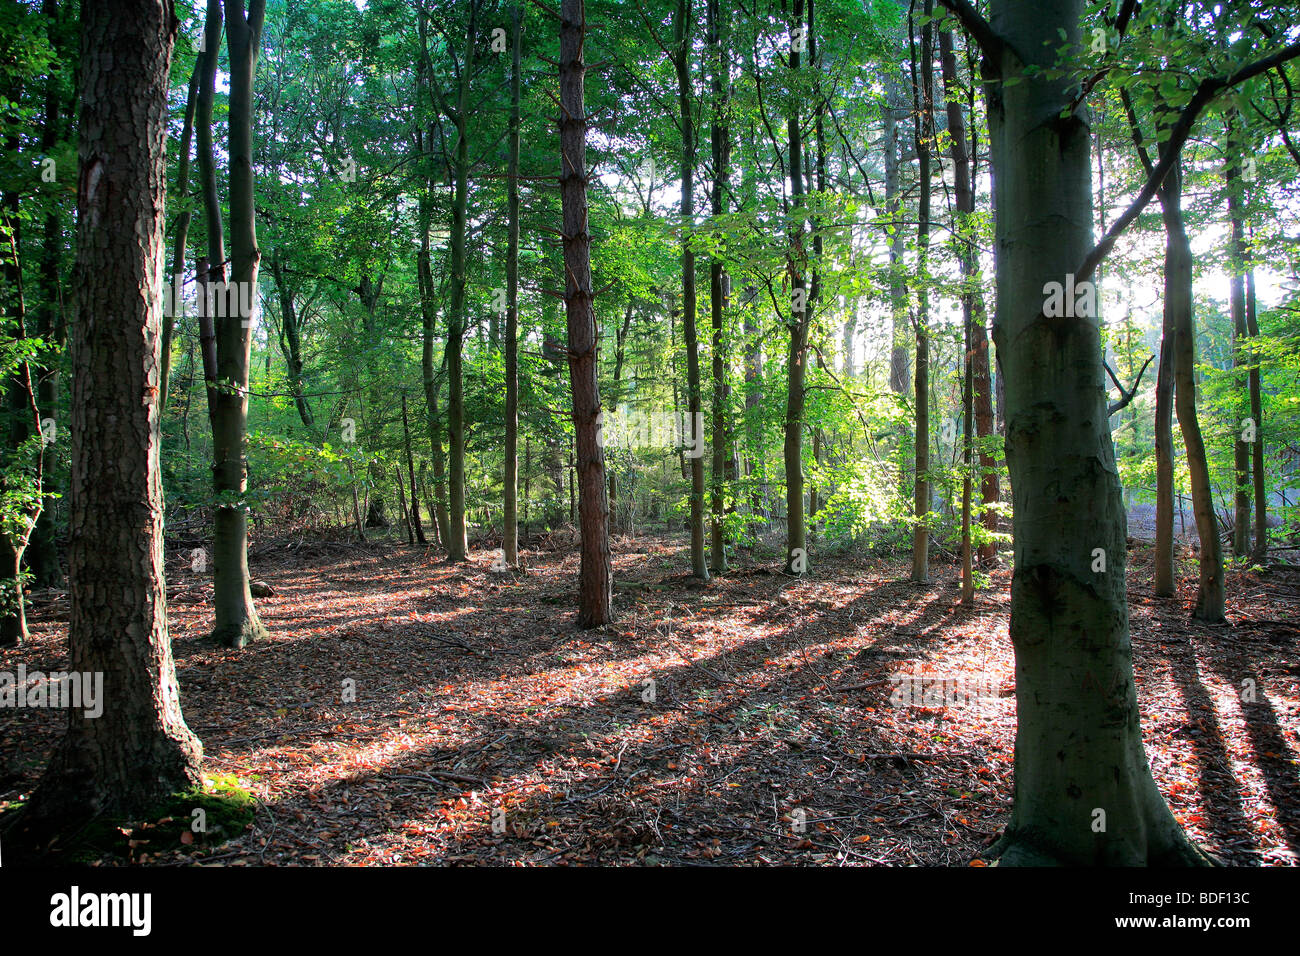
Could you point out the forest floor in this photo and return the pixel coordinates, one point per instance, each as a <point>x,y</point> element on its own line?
<point>768,736</point>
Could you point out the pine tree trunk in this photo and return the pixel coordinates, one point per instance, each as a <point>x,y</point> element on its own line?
<point>595,579</point>
<point>923,85</point>
<point>720,143</point>
<point>510,495</point>
<point>137,749</point>
<point>695,437</point>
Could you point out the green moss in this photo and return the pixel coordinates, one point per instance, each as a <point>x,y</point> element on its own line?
<point>225,808</point>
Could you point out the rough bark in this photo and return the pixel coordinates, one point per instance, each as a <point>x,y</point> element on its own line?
<point>510,495</point>
<point>595,578</point>
<point>923,100</point>
<point>138,749</point>
<point>690,332</point>
<point>719,283</point>
<point>796,536</point>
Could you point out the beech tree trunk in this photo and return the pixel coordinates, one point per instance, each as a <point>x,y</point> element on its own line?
<point>1078,738</point>
<point>1260,553</point>
<point>138,748</point>
<point>595,581</point>
<point>1178,305</point>
<point>237,623</point>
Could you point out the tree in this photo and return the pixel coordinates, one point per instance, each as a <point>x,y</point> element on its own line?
<point>719,282</point>
<point>1084,791</point>
<point>595,579</point>
<point>510,503</point>
<point>237,622</point>
<point>682,40</point>
<point>796,535</point>
<point>923,117</point>
<point>138,748</point>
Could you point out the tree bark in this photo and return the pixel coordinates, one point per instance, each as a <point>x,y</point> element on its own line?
<point>1078,739</point>
<point>719,283</point>
<point>690,333</point>
<point>923,86</point>
<point>456,541</point>
<point>796,535</point>
<point>595,581</point>
<point>978,400</point>
<point>180,236</point>
<point>137,749</point>
<point>1260,554</point>
<point>237,622</point>
<point>510,494</point>
<point>1178,305</point>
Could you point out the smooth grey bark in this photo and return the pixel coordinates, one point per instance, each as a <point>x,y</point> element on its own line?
<point>237,622</point>
<point>1078,737</point>
<point>181,232</point>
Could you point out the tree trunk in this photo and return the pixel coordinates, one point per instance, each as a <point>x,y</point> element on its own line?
<point>410,468</point>
<point>456,541</point>
<point>923,85</point>
<point>1260,554</point>
<point>978,400</point>
<point>43,551</point>
<point>1178,301</point>
<point>796,535</point>
<point>237,623</point>
<point>182,230</point>
<point>686,122</point>
<point>291,340</point>
<point>720,143</point>
<point>1237,306</point>
<point>893,205</point>
<point>510,494</point>
<point>1078,740</point>
<point>137,749</point>
<point>595,581</point>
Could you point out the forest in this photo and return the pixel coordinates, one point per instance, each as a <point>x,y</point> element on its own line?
<point>632,433</point>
